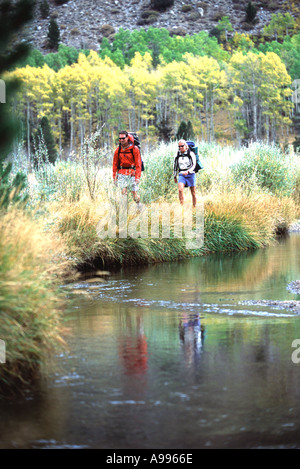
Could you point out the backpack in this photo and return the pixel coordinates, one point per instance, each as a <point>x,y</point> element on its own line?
<point>133,137</point>
<point>193,148</point>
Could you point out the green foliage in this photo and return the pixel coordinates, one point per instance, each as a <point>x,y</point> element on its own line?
<point>281,24</point>
<point>288,51</point>
<point>53,34</point>
<point>269,168</point>
<point>224,26</point>
<point>251,11</point>
<point>226,233</point>
<point>157,180</point>
<point>44,9</point>
<point>63,182</point>
<point>29,300</point>
<point>185,131</point>
<point>161,46</point>
<point>11,191</point>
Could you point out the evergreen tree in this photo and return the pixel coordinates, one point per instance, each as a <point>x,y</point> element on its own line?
<point>185,131</point>
<point>250,12</point>
<point>181,132</point>
<point>44,9</point>
<point>189,131</point>
<point>53,34</point>
<point>161,5</point>
<point>13,16</point>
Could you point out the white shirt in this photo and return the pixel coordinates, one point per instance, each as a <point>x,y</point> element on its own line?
<point>183,163</point>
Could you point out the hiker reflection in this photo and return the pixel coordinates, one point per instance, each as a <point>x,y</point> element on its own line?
<point>133,348</point>
<point>191,335</point>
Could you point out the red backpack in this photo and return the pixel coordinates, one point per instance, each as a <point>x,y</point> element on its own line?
<point>133,137</point>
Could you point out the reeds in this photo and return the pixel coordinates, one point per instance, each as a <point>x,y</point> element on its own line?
<point>30,264</point>
<point>238,221</point>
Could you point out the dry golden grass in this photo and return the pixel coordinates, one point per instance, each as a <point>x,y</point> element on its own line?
<point>261,215</point>
<point>31,262</point>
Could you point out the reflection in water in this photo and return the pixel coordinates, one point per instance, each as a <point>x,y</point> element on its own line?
<point>191,335</point>
<point>133,347</point>
<point>166,356</point>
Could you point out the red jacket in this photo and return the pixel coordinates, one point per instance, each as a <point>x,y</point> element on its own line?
<point>128,162</point>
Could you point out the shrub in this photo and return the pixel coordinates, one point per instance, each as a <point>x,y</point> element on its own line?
<point>186,8</point>
<point>157,181</point>
<point>107,30</point>
<point>161,5</point>
<point>272,169</point>
<point>44,9</point>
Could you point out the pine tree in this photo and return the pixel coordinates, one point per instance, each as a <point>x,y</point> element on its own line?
<point>182,130</point>
<point>161,5</point>
<point>189,131</point>
<point>250,12</point>
<point>53,34</point>
<point>13,16</point>
<point>44,9</point>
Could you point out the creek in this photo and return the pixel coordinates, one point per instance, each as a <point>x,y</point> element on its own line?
<point>174,355</point>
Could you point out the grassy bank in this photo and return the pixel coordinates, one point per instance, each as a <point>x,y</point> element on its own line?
<point>248,196</point>
<point>232,221</point>
<point>31,264</point>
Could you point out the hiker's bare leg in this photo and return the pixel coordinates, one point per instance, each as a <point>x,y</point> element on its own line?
<point>180,192</point>
<point>194,198</point>
<point>135,196</point>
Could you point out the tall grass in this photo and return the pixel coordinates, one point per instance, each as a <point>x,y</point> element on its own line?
<point>30,303</point>
<point>250,195</point>
<point>271,168</point>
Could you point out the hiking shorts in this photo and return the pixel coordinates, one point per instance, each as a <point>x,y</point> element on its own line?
<point>188,181</point>
<point>127,181</point>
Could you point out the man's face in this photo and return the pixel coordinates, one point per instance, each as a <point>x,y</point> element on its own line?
<point>123,139</point>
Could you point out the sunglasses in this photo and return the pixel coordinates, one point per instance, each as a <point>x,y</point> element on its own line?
<point>122,138</point>
<point>180,146</point>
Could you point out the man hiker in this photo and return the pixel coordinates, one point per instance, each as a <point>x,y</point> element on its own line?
<point>127,166</point>
<point>185,163</point>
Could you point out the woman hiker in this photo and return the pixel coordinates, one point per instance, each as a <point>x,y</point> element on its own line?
<point>185,163</point>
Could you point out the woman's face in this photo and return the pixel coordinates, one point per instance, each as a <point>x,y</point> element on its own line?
<point>182,147</point>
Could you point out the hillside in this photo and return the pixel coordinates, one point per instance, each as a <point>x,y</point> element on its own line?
<point>83,23</point>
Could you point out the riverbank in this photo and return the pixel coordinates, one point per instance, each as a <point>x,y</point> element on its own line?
<point>244,206</point>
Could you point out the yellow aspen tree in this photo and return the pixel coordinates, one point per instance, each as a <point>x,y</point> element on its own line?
<point>207,88</point>
<point>173,92</point>
<point>143,88</point>
<point>263,86</point>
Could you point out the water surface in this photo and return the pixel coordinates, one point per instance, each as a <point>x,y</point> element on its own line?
<point>170,356</point>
